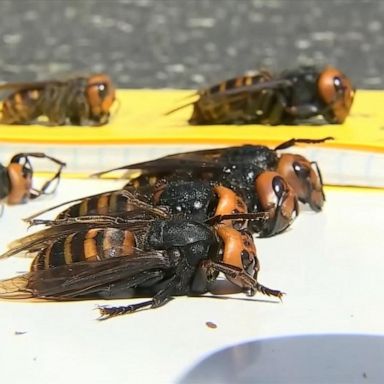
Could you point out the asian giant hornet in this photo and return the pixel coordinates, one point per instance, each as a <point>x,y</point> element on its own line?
<point>145,252</point>
<point>16,178</point>
<point>196,200</point>
<point>287,98</point>
<point>265,178</point>
<point>79,101</point>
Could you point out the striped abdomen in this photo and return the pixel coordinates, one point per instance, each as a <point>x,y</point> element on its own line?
<point>94,244</point>
<point>107,203</point>
<point>238,82</point>
<point>21,107</point>
<point>238,101</point>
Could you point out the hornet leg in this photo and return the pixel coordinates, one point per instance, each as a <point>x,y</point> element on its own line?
<point>161,298</point>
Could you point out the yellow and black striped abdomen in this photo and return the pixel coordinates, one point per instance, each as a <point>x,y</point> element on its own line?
<point>94,244</point>
<point>104,204</point>
<point>238,82</point>
<point>239,100</point>
<point>21,106</point>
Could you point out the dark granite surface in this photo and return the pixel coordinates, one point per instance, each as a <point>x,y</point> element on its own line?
<point>189,43</point>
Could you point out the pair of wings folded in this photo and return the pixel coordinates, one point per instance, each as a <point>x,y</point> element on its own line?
<point>86,278</point>
<point>81,278</point>
<point>209,159</point>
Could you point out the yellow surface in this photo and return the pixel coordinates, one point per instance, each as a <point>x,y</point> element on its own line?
<point>353,188</point>
<point>141,119</point>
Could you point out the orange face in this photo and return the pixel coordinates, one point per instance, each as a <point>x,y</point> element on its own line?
<point>303,178</point>
<point>336,90</point>
<point>100,94</point>
<point>20,184</point>
<point>278,199</point>
<point>239,251</point>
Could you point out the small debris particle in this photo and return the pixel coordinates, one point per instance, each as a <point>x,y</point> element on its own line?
<point>209,324</point>
<point>364,375</point>
<point>18,333</point>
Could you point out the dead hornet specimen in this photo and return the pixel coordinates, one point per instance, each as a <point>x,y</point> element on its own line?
<point>16,178</point>
<point>267,180</point>
<point>198,200</point>
<point>288,98</point>
<point>238,168</point>
<point>127,256</point>
<point>79,101</point>
<point>195,200</point>
<point>270,198</point>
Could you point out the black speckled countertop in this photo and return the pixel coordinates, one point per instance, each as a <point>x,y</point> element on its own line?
<point>189,43</point>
